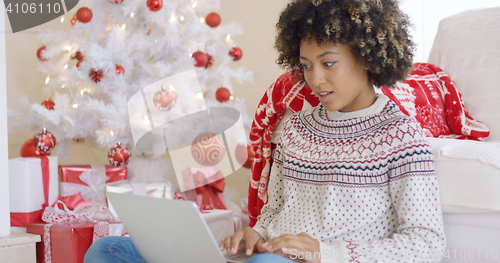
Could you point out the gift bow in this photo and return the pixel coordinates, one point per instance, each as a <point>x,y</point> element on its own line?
<point>95,190</point>
<point>209,188</point>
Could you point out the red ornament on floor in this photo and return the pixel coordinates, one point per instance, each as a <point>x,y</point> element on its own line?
<point>208,149</point>
<point>115,1</point>
<point>154,5</point>
<point>222,94</point>
<point>235,53</point>
<point>44,141</point>
<point>119,69</point>
<point>84,15</point>
<point>48,104</point>
<point>213,19</point>
<point>29,150</point>
<point>201,59</point>
<point>119,155</point>
<point>164,100</point>
<point>95,75</point>
<point>39,53</point>
<point>244,155</point>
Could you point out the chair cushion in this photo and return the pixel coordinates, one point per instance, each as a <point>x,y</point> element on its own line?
<point>467,48</point>
<point>429,96</point>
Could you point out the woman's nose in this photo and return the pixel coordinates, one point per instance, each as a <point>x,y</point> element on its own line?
<point>316,78</point>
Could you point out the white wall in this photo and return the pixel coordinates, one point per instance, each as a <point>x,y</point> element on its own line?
<point>4,155</point>
<point>426,14</point>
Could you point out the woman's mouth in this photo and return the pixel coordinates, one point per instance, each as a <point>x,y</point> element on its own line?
<point>324,94</point>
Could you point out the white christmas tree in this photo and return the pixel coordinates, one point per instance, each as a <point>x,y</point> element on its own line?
<point>114,49</point>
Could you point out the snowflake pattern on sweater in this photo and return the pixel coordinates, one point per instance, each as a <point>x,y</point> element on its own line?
<point>362,183</point>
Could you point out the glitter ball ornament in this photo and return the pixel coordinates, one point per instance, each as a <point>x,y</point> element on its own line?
<point>48,104</point>
<point>95,75</point>
<point>208,149</point>
<point>235,53</point>
<point>210,61</point>
<point>78,56</point>
<point>244,155</point>
<point>84,15</point>
<point>119,69</point>
<point>119,155</point>
<point>154,5</point>
<point>39,53</point>
<point>222,94</point>
<point>164,100</point>
<point>29,150</point>
<point>213,19</point>
<point>73,20</point>
<point>201,59</point>
<point>44,141</point>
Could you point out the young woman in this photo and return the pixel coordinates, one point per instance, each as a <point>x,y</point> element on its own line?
<point>353,178</point>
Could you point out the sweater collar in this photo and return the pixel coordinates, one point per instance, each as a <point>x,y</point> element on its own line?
<point>376,108</point>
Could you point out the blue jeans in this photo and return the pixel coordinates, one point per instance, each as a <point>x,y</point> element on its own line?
<point>122,250</point>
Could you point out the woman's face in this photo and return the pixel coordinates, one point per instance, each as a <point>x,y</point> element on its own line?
<point>338,79</point>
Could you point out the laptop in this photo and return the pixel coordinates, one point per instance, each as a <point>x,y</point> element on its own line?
<point>165,230</point>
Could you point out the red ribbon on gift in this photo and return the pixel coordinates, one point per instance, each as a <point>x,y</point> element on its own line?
<point>209,189</point>
<point>21,219</point>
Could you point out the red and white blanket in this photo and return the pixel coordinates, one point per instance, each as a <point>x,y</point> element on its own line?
<point>287,92</point>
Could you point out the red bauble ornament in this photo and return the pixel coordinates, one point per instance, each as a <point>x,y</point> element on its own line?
<point>44,141</point>
<point>208,149</point>
<point>39,53</point>
<point>48,104</point>
<point>213,19</point>
<point>115,1</point>
<point>244,155</point>
<point>95,75</point>
<point>154,5</point>
<point>222,94</point>
<point>28,150</point>
<point>84,15</point>
<point>235,53</point>
<point>118,155</point>
<point>164,100</point>
<point>201,59</point>
<point>119,69</point>
<point>73,20</point>
<point>78,56</point>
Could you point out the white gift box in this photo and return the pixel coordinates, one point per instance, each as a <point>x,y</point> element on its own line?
<point>220,222</point>
<point>26,184</point>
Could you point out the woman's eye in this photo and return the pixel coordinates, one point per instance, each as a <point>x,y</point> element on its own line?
<point>329,64</point>
<point>303,66</point>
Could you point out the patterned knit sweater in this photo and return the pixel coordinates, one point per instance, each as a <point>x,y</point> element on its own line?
<point>361,183</point>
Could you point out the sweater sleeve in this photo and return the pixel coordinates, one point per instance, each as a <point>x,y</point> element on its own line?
<point>275,192</point>
<point>414,194</point>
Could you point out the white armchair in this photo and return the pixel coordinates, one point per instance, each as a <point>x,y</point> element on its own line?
<point>467,48</point>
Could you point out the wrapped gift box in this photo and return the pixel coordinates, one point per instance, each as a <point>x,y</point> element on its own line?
<point>68,243</point>
<point>205,186</point>
<point>71,182</point>
<point>28,193</point>
<point>65,243</point>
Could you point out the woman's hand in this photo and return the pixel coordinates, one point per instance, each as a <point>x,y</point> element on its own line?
<point>252,239</point>
<point>301,246</point>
